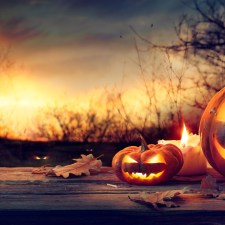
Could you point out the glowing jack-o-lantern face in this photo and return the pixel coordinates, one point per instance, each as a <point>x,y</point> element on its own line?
<point>147,164</point>
<point>152,167</point>
<point>212,132</point>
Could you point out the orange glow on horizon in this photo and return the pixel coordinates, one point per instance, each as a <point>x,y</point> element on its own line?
<point>25,98</point>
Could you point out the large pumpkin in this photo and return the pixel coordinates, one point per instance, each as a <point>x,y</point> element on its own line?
<point>147,164</point>
<point>212,132</point>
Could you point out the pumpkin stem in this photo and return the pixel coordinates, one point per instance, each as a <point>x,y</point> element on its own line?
<point>144,145</point>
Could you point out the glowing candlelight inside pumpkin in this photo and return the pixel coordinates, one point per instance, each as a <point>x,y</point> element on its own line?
<point>194,159</point>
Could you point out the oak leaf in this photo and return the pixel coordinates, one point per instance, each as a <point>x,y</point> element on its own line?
<point>158,199</point>
<point>221,196</point>
<point>82,166</point>
<point>209,187</point>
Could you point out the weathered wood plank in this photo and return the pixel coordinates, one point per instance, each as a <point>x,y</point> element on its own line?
<point>22,190</point>
<point>106,174</point>
<point>21,181</point>
<point>25,173</point>
<point>82,188</point>
<point>116,202</point>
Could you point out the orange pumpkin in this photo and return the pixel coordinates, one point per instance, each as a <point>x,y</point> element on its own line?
<point>212,132</point>
<point>147,164</point>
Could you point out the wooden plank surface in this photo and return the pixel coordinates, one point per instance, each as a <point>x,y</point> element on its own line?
<point>24,193</point>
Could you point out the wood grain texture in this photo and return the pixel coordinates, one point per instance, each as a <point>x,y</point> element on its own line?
<point>101,195</point>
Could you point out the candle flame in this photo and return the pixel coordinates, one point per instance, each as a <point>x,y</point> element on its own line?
<point>184,138</point>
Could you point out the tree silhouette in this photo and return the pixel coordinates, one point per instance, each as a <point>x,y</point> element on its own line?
<point>204,34</point>
<point>201,37</point>
<point>201,41</point>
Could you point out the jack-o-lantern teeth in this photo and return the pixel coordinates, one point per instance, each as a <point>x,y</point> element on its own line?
<point>145,176</point>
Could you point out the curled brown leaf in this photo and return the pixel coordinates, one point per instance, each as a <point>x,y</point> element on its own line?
<point>158,199</point>
<point>82,166</point>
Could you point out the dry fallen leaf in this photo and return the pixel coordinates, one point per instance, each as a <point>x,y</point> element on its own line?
<point>158,199</point>
<point>221,196</point>
<point>83,165</point>
<point>209,187</point>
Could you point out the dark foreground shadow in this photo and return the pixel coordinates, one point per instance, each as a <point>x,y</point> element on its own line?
<point>110,217</point>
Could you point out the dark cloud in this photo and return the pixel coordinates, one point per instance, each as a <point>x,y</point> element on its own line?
<point>22,2</point>
<point>102,8</point>
<point>16,29</point>
<point>123,8</point>
<point>91,21</point>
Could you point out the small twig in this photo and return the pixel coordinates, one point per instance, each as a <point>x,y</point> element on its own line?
<point>42,170</point>
<point>100,156</point>
<point>112,185</point>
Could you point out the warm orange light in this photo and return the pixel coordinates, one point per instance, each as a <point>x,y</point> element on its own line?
<point>145,177</point>
<point>141,176</point>
<point>37,158</point>
<point>184,138</point>
<point>219,147</point>
<point>156,159</point>
<point>128,159</point>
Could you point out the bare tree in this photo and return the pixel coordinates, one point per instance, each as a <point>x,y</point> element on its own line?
<point>58,123</point>
<point>6,63</point>
<point>204,34</point>
<point>163,90</point>
<point>5,60</point>
<point>66,124</point>
<point>5,130</point>
<point>201,38</point>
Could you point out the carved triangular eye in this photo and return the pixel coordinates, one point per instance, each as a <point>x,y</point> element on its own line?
<point>128,159</point>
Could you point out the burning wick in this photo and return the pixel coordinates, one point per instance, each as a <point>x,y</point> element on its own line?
<point>184,138</point>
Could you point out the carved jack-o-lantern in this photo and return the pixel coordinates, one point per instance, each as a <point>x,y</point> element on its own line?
<point>147,164</point>
<point>212,132</point>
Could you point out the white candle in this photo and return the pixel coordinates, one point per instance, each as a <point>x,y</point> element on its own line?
<point>194,160</point>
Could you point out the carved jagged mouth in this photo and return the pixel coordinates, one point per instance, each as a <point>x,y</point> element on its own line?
<point>144,170</point>
<point>141,176</point>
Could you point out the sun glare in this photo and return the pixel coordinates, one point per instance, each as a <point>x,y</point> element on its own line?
<point>23,104</point>
<point>20,101</point>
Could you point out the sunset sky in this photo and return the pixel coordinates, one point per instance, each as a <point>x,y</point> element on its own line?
<point>78,45</point>
<point>74,48</point>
